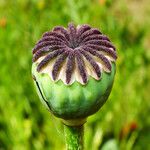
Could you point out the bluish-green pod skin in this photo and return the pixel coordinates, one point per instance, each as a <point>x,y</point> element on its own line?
<point>74,101</point>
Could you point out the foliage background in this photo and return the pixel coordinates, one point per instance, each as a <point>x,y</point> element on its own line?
<point>123,123</point>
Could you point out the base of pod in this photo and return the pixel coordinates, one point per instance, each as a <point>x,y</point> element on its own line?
<point>74,122</point>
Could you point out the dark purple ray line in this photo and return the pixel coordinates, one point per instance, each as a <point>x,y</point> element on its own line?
<point>40,53</point>
<point>47,43</point>
<point>97,47</point>
<point>92,62</point>
<point>106,50</point>
<point>55,34</point>
<point>52,48</point>
<point>43,52</point>
<point>63,31</point>
<point>89,33</point>
<point>58,64</point>
<point>48,58</point>
<point>100,56</point>
<point>95,37</point>
<point>72,33</point>
<point>81,66</point>
<point>50,38</point>
<point>70,67</point>
<point>100,43</point>
<point>82,29</point>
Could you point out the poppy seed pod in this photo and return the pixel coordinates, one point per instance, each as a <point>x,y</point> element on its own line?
<point>74,70</point>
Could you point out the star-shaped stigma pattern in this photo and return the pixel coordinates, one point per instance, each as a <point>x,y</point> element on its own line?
<point>74,53</point>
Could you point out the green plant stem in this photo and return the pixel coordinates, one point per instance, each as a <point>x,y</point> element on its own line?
<point>74,137</point>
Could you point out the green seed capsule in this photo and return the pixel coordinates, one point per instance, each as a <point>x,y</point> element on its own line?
<point>74,71</point>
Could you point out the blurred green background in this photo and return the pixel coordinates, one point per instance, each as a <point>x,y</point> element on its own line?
<point>124,121</point>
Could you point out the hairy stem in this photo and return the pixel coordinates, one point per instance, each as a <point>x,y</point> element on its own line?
<point>74,137</point>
